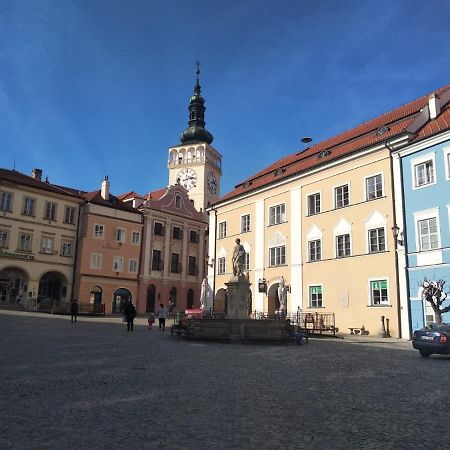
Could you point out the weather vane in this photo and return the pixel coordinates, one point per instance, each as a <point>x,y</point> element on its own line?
<point>198,68</point>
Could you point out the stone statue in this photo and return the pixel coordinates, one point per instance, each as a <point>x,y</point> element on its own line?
<point>282,294</point>
<point>238,258</point>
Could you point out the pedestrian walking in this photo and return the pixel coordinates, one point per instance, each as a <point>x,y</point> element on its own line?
<point>161,315</point>
<point>150,320</point>
<point>73,310</point>
<point>171,305</point>
<point>130,314</point>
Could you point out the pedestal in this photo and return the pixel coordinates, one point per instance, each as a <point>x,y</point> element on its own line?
<point>238,289</point>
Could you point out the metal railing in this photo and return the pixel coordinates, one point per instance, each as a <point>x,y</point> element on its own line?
<point>64,308</point>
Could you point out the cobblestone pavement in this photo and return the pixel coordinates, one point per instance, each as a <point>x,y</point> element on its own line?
<point>95,386</point>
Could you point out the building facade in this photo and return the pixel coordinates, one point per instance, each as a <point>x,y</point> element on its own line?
<point>38,228</point>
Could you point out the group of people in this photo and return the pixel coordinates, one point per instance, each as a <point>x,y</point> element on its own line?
<point>130,313</point>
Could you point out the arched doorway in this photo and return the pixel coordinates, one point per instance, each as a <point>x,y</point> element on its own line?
<point>273,303</point>
<point>95,296</point>
<point>52,290</point>
<point>190,299</point>
<point>220,301</point>
<point>151,296</point>
<point>13,286</point>
<point>173,296</point>
<point>121,297</point>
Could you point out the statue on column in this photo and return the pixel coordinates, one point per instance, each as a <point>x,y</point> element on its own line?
<point>238,259</point>
<point>282,294</point>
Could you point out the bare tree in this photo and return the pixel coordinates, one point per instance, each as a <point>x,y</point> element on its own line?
<point>434,293</point>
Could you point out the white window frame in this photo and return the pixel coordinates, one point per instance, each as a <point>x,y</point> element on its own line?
<point>336,245</point>
<point>132,264</point>
<point>278,216</point>
<point>314,194</point>
<point>221,266</point>
<point>246,265</point>
<point>446,151</point>
<point>378,241</point>
<point>277,257</point>
<point>310,242</point>
<point>50,210</point>
<point>369,288</point>
<point>347,184</point>
<point>429,235</point>
<point>309,295</point>
<point>28,242</point>
<point>245,223</point>
<point>120,234</point>
<point>6,201</point>
<point>135,240</point>
<point>98,235</point>
<point>96,261</point>
<point>222,229</point>
<point>4,238</point>
<point>117,265</point>
<point>366,179</point>
<point>423,159</point>
<point>47,245</point>
<point>419,216</point>
<point>66,244</point>
<point>69,215</point>
<point>26,210</point>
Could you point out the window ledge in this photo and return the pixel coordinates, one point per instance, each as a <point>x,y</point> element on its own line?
<point>379,306</point>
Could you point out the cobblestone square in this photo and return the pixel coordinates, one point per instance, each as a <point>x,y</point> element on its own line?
<point>93,385</point>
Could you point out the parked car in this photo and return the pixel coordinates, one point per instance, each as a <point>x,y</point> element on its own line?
<point>434,338</point>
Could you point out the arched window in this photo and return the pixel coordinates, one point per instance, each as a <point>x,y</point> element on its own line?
<point>177,201</point>
<point>173,295</point>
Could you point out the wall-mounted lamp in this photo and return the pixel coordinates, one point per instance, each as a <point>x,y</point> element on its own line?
<point>398,236</point>
<point>262,285</point>
<point>211,262</point>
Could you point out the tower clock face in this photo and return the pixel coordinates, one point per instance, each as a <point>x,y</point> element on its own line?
<point>212,183</point>
<point>187,178</point>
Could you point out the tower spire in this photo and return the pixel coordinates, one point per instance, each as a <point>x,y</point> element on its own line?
<point>196,131</point>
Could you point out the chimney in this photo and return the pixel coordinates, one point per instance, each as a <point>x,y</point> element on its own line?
<point>105,188</point>
<point>36,174</point>
<point>434,106</point>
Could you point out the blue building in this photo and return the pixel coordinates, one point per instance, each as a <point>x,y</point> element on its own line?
<point>421,172</point>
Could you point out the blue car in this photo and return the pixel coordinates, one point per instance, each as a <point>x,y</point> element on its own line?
<point>434,338</point>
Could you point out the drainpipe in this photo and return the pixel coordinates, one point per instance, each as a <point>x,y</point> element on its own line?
<point>76,251</point>
<point>214,257</point>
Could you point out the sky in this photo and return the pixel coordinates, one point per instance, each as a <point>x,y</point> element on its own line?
<point>90,88</point>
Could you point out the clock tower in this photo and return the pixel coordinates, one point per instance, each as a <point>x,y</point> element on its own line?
<point>194,163</point>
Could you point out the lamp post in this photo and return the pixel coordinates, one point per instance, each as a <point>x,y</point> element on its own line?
<point>398,240</point>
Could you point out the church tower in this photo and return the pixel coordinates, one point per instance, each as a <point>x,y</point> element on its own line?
<point>194,163</point>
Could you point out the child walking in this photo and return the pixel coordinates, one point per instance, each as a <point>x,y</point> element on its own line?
<point>150,320</point>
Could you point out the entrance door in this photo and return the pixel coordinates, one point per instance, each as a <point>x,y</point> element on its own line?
<point>151,295</point>
<point>190,299</point>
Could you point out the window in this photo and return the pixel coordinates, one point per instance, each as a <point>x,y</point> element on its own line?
<point>120,235</point>
<point>277,214</point>
<point>221,266</point>
<point>177,201</point>
<point>3,239</point>
<point>99,231</point>
<point>156,260</point>
<point>28,206</point>
<point>47,245</point>
<point>379,293</point>
<point>132,265</point>
<point>377,240</point>
<point>374,187</point>
<point>159,229</point>
<point>118,264</point>
<point>192,267</point>
<point>135,238</point>
<point>277,256</point>
<point>50,211</point>
<point>315,250</point>
<point>315,297</point>
<point>66,248</point>
<point>222,230</point>
<point>5,201</point>
<point>428,234</point>
<point>341,196</point>
<point>175,266</point>
<point>314,204</point>
<point>343,246</point>
<point>177,233</point>
<point>25,241</point>
<point>447,162</point>
<point>245,223</point>
<point>424,173</point>
<point>246,265</point>
<point>69,215</point>
<point>96,261</point>
<point>194,236</point>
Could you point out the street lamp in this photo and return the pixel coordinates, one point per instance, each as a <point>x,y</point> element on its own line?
<point>396,233</point>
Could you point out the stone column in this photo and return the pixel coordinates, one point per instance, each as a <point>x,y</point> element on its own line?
<point>238,289</point>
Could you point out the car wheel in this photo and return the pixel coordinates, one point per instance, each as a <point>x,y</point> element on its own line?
<point>424,354</point>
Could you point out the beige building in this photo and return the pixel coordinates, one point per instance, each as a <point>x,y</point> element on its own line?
<point>38,227</point>
<point>321,219</point>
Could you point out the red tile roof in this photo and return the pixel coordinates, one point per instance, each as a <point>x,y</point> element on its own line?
<point>356,139</point>
<point>112,202</point>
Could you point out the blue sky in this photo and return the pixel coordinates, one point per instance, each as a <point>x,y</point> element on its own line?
<point>96,87</point>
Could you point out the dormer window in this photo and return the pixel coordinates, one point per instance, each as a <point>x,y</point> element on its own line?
<point>324,153</point>
<point>177,201</point>
<point>381,130</point>
<point>279,172</point>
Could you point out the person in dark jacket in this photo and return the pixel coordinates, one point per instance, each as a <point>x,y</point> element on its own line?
<point>73,310</point>
<point>130,314</point>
